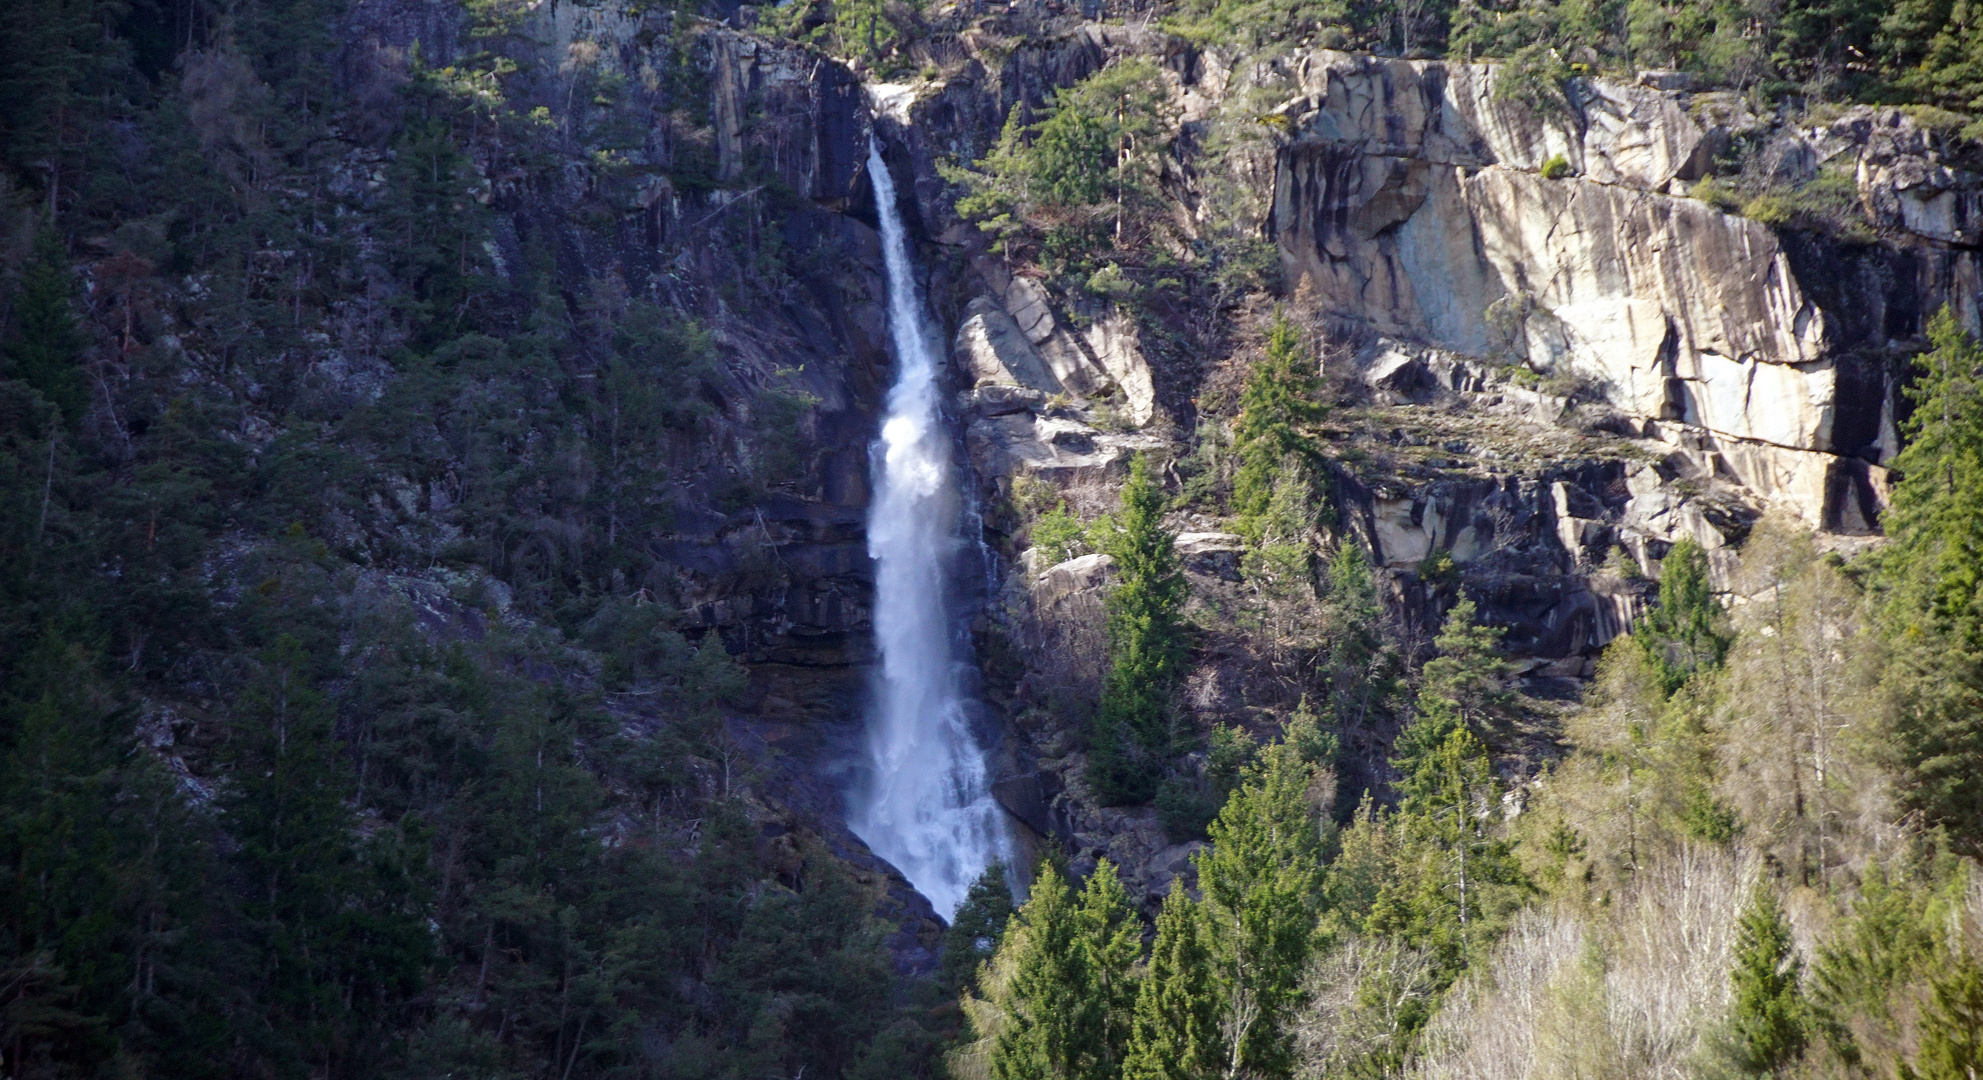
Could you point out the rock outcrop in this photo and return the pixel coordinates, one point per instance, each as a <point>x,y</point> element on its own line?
<point>1412,197</point>
<point>1569,364</point>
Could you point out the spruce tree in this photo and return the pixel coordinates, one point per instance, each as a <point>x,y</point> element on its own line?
<point>1452,869</point>
<point>1175,1031</point>
<point>1952,1024</point>
<point>1146,645</point>
<point>1688,631</point>
<point>47,345</point>
<point>1931,572</point>
<point>1766,1024</point>
<point>975,929</point>
<point>1283,397</point>
<point>1359,670</point>
<point>1261,880</point>
<point>1462,687</point>
<point>1044,1032</point>
<point>1111,939</point>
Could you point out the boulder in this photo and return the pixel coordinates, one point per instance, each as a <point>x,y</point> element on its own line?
<point>1114,341</point>
<point>992,350</point>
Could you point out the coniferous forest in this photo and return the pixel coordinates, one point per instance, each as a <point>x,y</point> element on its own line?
<point>434,451</point>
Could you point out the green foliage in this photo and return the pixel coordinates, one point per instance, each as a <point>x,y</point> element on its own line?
<point>1934,51</point>
<point>1261,881</point>
<point>1112,939</point>
<point>1688,631</point>
<point>1067,1006</point>
<point>1449,880</point>
<point>1282,400</point>
<point>1535,75</point>
<point>1174,1034</point>
<point>46,346</point>
<point>1952,1024</point>
<point>1923,50</point>
<point>1359,667</point>
<point>104,879</point>
<point>867,31</point>
<point>1556,168</point>
<point>1465,685</point>
<point>1083,176</point>
<point>1456,881</point>
<point>976,929</point>
<point>1930,573</point>
<point>1132,729</point>
<point>1059,534</point>
<point>1767,1017</point>
<point>1886,942</point>
<point>1185,805</point>
<point>1314,743</point>
<point>1252,22</point>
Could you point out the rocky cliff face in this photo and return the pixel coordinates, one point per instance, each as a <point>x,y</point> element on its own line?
<point>1553,352</point>
<point>1548,351</point>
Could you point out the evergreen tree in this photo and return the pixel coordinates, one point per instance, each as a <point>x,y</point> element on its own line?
<point>47,345</point>
<point>975,930</point>
<point>1360,671</point>
<point>1044,1033</point>
<point>1261,880</point>
<point>1932,571</point>
<point>1081,174</point>
<point>1175,1031</point>
<point>102,883</point>
<point>1464,685</point>
<point>1281,400</point>
<point>1952,1025</point>
<point>1452,872</point>
<point>334,950</point>
<point>1688,630</point>
<point>1112,940</point>
<point>1132,732</point>
<point>1766,1026</point>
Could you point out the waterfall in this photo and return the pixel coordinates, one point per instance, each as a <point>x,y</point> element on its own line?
<point>926,806</point>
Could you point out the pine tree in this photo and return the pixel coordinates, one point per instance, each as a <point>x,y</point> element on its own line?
<point>1281,400</point>
<point>1043,1034</point>
<point>975,930</point>
<point>1262,880</point>
<point>47,344</point>
<point>1360,672</point>
<point>1952,1025</point>
<point>1111,941</point>
<point>1146,645</point>
<point>1175,1031</point>
<point>1931,572</point>
<point>1766,1025</point>
<point>1464,685</point>
<point>1688,630</point>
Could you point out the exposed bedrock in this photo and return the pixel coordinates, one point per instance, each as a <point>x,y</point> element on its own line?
<point>1411,197</point>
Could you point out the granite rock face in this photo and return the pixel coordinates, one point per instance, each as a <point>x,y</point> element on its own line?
<point>1411,197</point>
<point>1610,365</point>
<point>1602,366</point>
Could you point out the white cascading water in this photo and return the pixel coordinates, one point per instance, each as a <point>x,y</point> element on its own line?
<point>927,806</point>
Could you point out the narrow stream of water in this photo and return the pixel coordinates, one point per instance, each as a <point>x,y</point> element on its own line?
<point>926,805</point>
